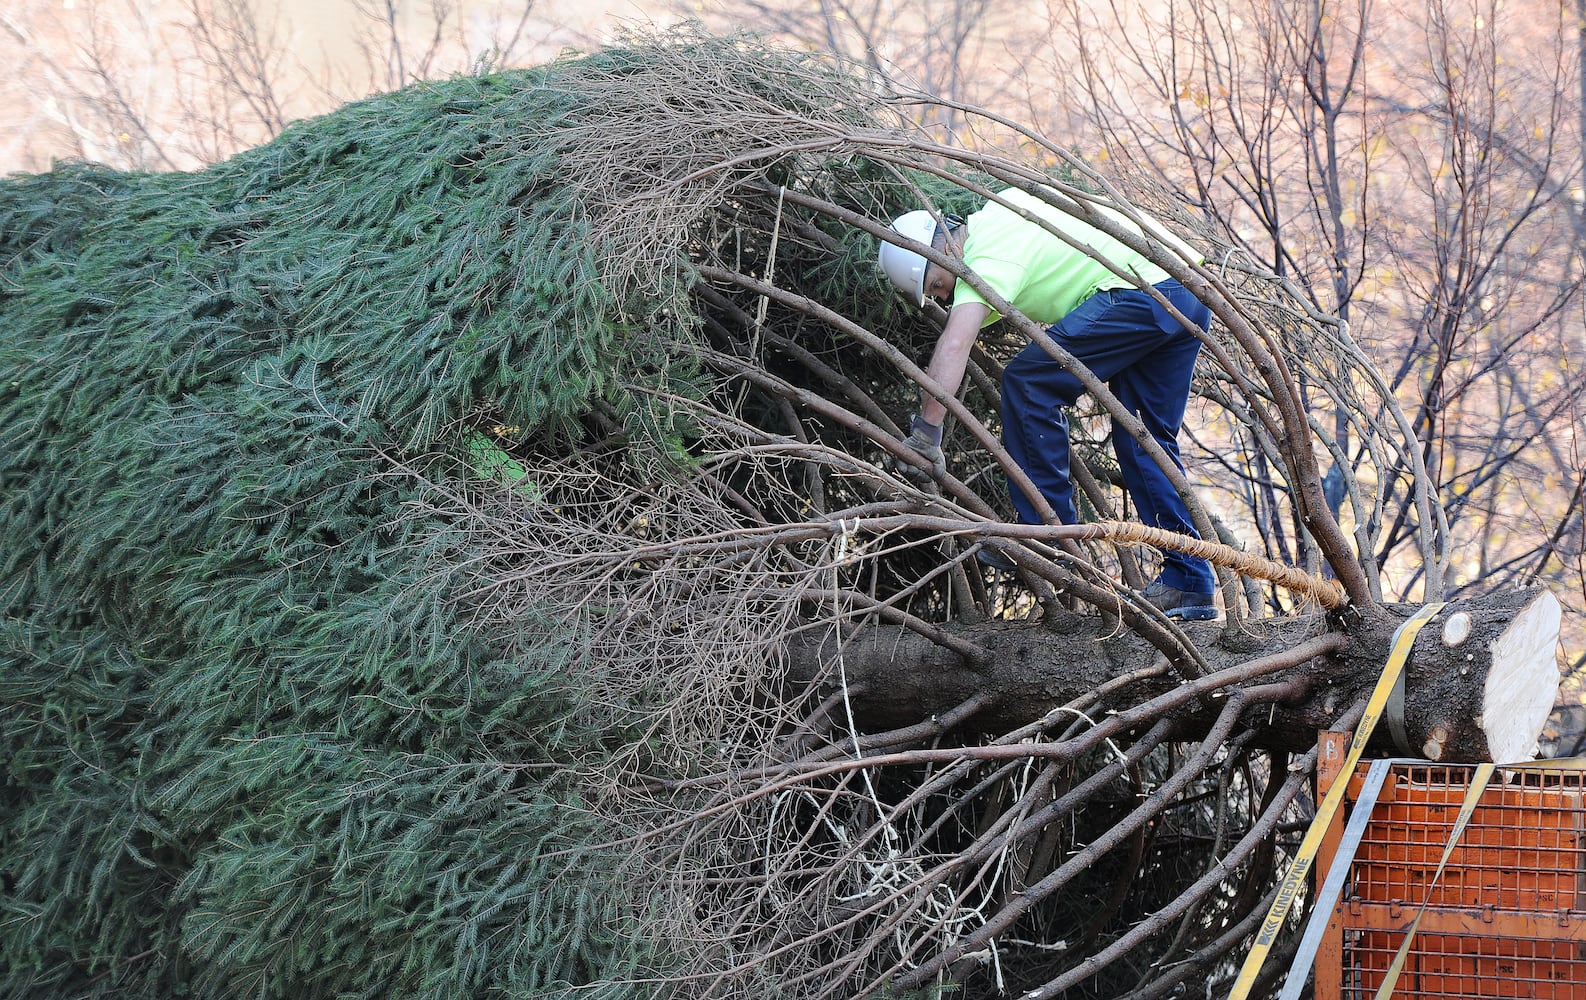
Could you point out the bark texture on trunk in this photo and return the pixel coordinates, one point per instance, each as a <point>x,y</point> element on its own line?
<point>1481,678</point>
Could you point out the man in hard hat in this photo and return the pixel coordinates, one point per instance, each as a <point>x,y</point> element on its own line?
<point>1116,329</point>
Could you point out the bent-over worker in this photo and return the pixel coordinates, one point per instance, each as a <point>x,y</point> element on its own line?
<point>1116,329</point>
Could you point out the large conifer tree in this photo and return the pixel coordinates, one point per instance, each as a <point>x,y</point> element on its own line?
<point>253,742</point>
<point>451,551</point>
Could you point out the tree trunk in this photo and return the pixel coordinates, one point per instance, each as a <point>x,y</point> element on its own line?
<point>1479,684</point>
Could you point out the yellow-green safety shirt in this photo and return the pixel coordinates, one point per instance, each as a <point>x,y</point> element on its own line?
<point>1041,275</point>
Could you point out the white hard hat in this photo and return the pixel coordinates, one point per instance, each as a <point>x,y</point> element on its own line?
<point>905,267</point>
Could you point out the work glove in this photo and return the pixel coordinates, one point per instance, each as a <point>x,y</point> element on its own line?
<point>925,439</point>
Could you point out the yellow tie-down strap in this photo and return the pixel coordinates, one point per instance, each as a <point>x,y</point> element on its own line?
<point>1294,878</point>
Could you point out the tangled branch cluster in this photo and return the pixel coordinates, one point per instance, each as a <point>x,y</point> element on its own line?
<point>799,847</point>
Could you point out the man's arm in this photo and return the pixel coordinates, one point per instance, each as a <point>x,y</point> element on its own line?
<point>951,355</point>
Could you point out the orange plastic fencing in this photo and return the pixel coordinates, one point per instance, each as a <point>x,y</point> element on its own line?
<point>1507,918</point>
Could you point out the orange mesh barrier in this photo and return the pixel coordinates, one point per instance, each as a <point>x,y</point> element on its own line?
<point>1508,916</point>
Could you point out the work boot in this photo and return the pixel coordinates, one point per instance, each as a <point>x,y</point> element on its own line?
<point>1181,604</point>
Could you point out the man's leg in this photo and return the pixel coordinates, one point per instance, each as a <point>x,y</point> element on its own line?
<point>1035,430</point>
<point>1111,332</point>
<point>1156,389</point>
<point>1157,502</point>
<point>1107,333</point>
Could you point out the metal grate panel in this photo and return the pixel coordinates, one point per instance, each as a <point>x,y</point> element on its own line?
<point>1523,850</point>
<point>1507,917</point>
<point>1465,965</point>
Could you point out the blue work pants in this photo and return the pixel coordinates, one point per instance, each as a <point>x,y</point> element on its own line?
<point>1133,344</point>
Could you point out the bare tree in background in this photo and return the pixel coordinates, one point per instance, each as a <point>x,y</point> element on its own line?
<point>1419,177</point>
<point>173,84</point>
<point>960,51</point>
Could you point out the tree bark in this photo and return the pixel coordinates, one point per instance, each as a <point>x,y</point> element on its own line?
<point>1480,681</point>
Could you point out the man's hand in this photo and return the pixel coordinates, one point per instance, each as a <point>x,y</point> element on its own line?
<point>925,439</point>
